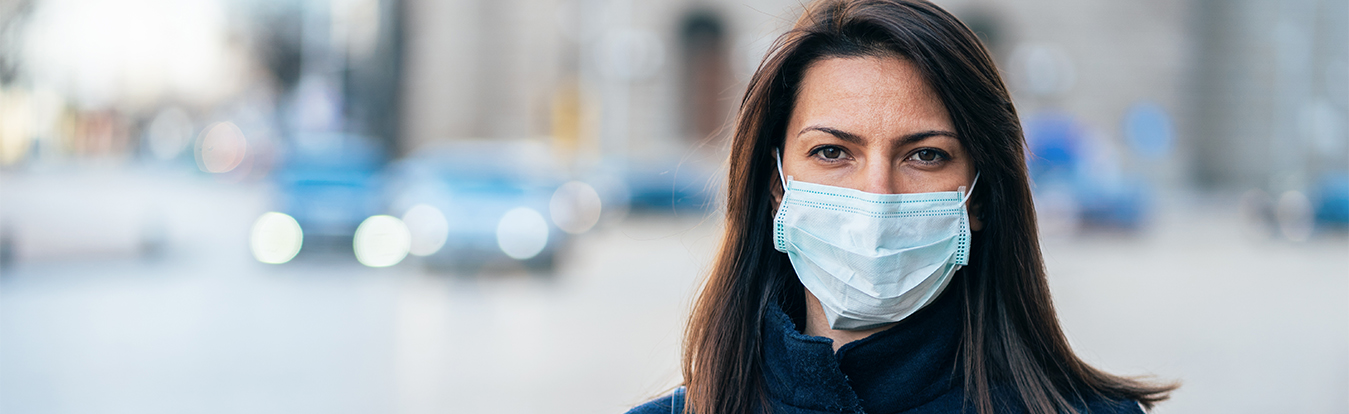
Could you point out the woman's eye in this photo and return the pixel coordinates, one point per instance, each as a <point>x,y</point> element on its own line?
<point>927,155</point>
<point>831,153</point>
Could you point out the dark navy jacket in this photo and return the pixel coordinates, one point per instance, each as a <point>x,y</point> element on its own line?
<point>909,368</point>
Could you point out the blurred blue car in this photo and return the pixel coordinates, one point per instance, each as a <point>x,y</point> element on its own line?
<point>1332,194</point>
<point>474,185</point>
<point>330,182</point>
<point>1060,158</point>
<point>670,187</point>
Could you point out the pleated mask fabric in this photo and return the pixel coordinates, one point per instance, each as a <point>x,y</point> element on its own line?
<point>871,259</point>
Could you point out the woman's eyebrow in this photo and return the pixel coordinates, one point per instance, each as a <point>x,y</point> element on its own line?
<point>919,136</point>
<point>858,140</point>
<point>843,135</point>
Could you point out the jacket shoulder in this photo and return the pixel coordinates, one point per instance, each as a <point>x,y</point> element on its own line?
<point>1007,402</point>
<point>1110,406</point>
<point>669,404</point>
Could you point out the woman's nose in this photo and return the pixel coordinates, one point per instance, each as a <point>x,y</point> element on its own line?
<point>878,177</point>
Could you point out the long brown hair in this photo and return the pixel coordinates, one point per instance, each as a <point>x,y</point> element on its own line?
<point>1011,336</point>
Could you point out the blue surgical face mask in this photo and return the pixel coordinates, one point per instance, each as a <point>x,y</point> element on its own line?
<point>871,259</point>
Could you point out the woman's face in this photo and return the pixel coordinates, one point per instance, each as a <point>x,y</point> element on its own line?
<point>873,124</point>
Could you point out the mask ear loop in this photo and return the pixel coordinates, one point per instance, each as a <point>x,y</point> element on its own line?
<point>965,195</point>
<point>777,155</point>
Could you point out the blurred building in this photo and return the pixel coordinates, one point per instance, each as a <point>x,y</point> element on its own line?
<point>646,78</point>
<point>1229,94</point>
<point>604,79</point>
<point>1269,91</point>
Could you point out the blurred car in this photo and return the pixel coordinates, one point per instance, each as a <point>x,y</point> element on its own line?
<point>1332,207</point>
<point>670,187</point>
<point>1083,176</point>
<point>1120,203</point>
<point>470,203</point>
<point>81,213</point>
<point>330,183</point>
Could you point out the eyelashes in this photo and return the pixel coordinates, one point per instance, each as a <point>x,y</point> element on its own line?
<point>926,156</point>
<point>829,153</point>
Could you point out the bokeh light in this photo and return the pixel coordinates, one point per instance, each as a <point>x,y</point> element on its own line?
<point>522,233</point>
<point>428,228</point>
<point>382,241</point>
<point>1148,129</point>
<point>575,207</point>
<point>276,238</point>
<point>221,148</point>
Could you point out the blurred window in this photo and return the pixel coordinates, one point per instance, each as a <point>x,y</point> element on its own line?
<point>706,67</point>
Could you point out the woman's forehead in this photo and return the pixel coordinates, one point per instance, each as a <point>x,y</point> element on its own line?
<point>867,96</point>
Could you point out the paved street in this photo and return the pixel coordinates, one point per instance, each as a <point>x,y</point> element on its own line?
<point>1249,326</point>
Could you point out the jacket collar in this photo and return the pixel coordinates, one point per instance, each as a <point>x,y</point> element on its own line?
<point>892,371</point>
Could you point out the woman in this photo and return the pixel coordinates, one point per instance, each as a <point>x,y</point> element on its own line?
<point>881,253</point>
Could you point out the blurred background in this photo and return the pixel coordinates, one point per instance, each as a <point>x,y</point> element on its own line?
<point>417,206</point>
